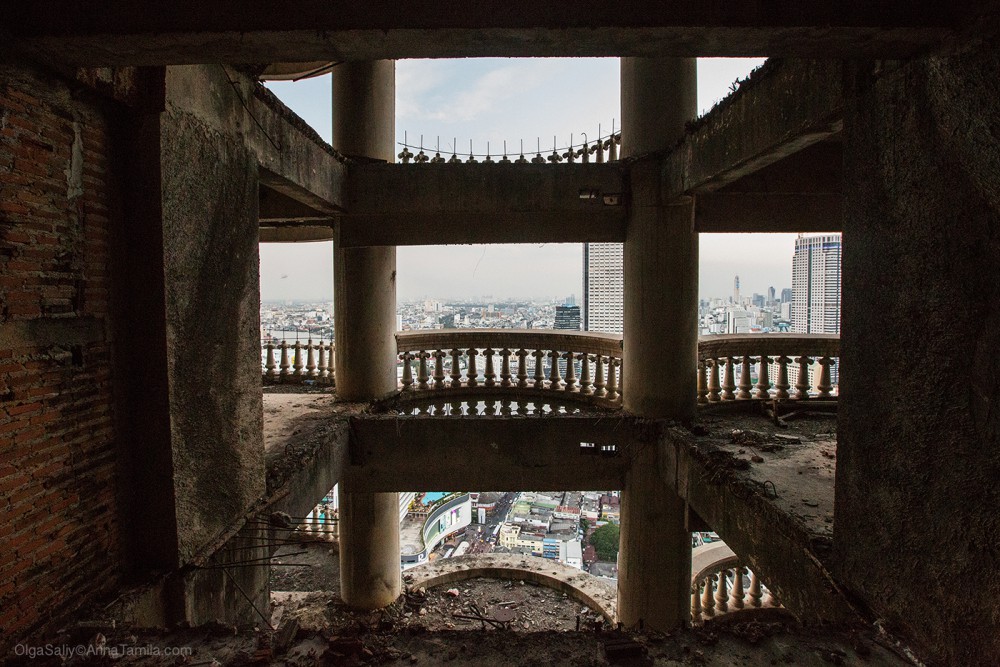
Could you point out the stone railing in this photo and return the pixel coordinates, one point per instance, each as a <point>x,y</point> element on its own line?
<point>569,364</point>
<point>724,587</point>
<point>721,359</point>
<point>536,363</point>
<point>295,362</point>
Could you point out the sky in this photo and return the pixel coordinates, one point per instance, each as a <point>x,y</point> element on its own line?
<point>511,99</point>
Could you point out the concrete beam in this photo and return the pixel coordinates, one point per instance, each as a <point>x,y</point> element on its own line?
<point>771,542</point>
<point>275,206</point>
<point>293,159</point>
<point>297,233</point>
<point>755,212</point>
<point>430,204</point>
<point>776,114</point>
<point>393,453</point>
<point>147,33</point>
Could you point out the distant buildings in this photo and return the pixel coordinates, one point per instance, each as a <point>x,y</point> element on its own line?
<point>603,287</point>
<point>567,317</point>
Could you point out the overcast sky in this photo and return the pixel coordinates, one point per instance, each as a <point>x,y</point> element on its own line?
<point>495,100</point>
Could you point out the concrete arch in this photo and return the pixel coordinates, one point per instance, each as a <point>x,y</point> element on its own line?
<point>585,588</point>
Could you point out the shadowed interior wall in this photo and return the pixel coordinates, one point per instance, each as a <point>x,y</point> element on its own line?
<point>919,426</point>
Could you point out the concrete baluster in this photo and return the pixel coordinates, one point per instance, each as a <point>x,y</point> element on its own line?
<point>612,385</point>
<point>269,365</point>
<point>322,370</point>
<point>555,377</point>
<point>489,375</point>
<point>736,599</point>
<point>781,388</point>
<point>729,380</point>
<point>764,378</point>
<point>570,371</point>
<point>297,360</point>
<point>522,368</point>
<point>599,385</point>
<point>505,379</point>
<point>539,369</point>
<point>407,380</point>
<point>284,360</point>
<point>707,599</point>
<point>310,360</point>
<point>825,385</point>
<point>745,384</point>
<point>472,374</point>
<point>586,386</point>
<point>456,367</point>
<point>802,383</point>
<point>713,381</point>
<point>439,369</point>
<point>755,594</point>
<point>422,376</point>
<point>722,593</point>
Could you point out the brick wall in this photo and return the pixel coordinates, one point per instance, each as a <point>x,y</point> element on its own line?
<point>59,533</point>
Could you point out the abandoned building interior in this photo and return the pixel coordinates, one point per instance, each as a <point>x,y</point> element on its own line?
<point>142,162</point>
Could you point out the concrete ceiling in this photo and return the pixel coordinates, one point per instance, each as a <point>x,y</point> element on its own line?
<point>185,32</point>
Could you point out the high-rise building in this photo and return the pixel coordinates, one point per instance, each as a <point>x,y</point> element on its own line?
<point>603,287</point>
<point>816,292</point>
<point>567,317</point>
<point>770,295</point>
<point>786,295</point>
<point>816,284</point>
<point>736,291</point>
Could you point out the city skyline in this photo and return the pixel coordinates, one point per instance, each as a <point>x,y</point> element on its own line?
<point>496,100</point>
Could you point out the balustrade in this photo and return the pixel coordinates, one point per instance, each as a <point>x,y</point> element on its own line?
<point>569,364</point>
<point>297,362</point>
<point>787,357</point>
<point>588,366</point>
<point>726,587</point>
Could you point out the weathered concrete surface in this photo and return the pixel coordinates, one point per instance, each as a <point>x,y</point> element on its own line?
<point>543,453</point>
<point>212,307</point>
<point>147,33</point>
<point>428,204</point>
<point>919,429</point>
<point>305,438</point>
<point>734,213</point>
<point>581,586</point>
<point>785,541</point>
<point>782,109</point>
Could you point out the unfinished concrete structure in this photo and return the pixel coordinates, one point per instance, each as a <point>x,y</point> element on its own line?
<point>137,176</point>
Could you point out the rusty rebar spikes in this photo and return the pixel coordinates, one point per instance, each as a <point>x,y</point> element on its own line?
<point>571,152</point>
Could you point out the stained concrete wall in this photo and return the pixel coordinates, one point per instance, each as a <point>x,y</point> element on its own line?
<point>917,500</point>
<point>211,263</point>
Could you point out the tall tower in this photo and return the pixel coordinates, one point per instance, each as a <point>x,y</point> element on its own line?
<point>816,292</point>
<point>603,287</point>
<point>736,291</point>
<point>816,284</point>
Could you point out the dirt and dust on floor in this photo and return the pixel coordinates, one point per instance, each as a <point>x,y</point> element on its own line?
<point>439,626</point>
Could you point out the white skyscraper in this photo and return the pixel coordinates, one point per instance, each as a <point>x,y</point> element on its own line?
<point>816,284</point>
<point>603,287</point>
<point>816,292</point>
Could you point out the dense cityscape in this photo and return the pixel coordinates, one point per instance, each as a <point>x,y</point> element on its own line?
<point>576,528</point>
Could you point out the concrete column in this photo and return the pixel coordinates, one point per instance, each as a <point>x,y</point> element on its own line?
<point>364,109</point>
<point>660,342</point>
